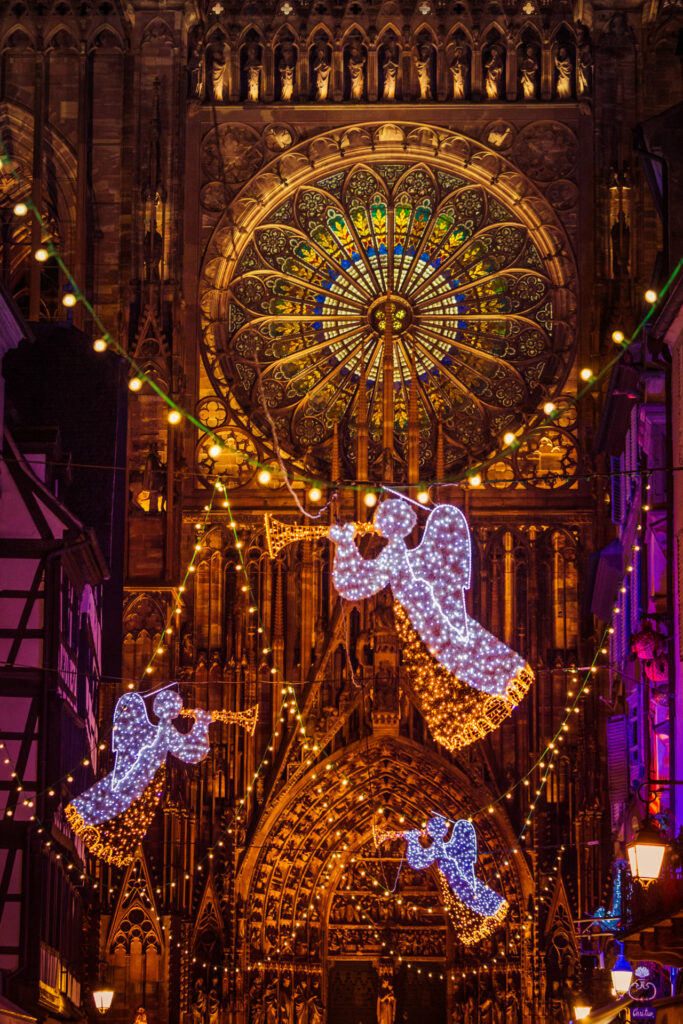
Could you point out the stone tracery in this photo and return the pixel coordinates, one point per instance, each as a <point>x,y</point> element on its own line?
<point>304,304</point>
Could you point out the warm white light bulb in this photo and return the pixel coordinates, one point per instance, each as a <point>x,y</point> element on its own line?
<point>370,499</point>
<point>68,299</point>
<point>315,494</point>
<point>650,295</point>
<point>134,383</point>
<point>174,417</point>
<point>617,337</point>
<point>475,480</point>
<point>20,209</point>
<point>508,438</point>
<point>214,451</point>
<point>586,373</point>
<point>423,497</point>
<point>549,408</point>
<point>41,254</point>
<point>264,477</point>
<point>100,344</point>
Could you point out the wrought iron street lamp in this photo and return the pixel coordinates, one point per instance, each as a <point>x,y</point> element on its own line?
<point>102,998</point>
<point>646,854</point>
<point>622,974</point>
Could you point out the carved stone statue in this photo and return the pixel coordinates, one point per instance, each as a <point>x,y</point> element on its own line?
<point>214,1007</point>
<point>195,70</point>
<point>287,71</point>
<point>357,72</point>
<point>218,72</point>
<point>199,1004</point>
<point>270,999</point>
<point>154,478</point>
<point>528,73</point>
<point>493,69</point>
<point>386,1003</point>
<point>300,1004</point>
<point>390,72</point>
<point>459,69</point>
<point>315,1004</point>
<point>584,62</point>
<point>322,69</point>
<point>563,66</point>
<point>423,68</point>
<point>253,68</point>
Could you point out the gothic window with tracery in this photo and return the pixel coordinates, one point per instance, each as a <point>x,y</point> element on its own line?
<point>475,343</point>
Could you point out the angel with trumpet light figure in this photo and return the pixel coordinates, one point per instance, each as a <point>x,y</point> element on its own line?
<point>475,909</point>
<point>112,816</point>
<point>466,680</point>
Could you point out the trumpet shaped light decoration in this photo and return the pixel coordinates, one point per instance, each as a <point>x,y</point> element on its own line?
<point>475,910</point>
<point>112,816</point>
<point>465,680</point>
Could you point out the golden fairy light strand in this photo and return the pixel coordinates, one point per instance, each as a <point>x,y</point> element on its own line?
<point>511,442</point>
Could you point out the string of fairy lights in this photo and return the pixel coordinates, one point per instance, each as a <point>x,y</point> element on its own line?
<point>105,341</point>
<point>544,764</point>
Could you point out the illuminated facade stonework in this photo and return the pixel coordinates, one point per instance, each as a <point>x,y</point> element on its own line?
<point>366,241</point>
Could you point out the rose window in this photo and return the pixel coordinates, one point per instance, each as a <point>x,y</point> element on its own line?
<point>474,347</point>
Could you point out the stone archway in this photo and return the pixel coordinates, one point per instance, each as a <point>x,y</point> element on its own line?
<point>310,878</point>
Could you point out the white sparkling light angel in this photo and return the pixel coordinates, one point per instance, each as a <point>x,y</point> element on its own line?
<point>141,748</point>
<point>112,816</point>
<point>429,583</point>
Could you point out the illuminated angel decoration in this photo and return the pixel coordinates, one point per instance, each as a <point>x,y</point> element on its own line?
<point>113,815</point>
<point>428,584</point>
<point>475,909</point>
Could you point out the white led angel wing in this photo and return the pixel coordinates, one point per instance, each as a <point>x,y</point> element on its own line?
<point>132,731</point>
<point>443,560</point>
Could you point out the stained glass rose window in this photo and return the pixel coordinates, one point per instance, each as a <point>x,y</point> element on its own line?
<point>474,344</point>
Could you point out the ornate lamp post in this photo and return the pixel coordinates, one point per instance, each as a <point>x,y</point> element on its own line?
<point>622,974</point>
<point>102,998</point>
<point>646,854</point>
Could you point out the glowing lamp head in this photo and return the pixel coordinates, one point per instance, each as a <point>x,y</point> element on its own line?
<point>135,383</point>
<point>622,974</point>
<point>651,296</point>
<point>20,209</point>
<point>646,854</point>
<point>618,337</point>
<point>100,344</point>
<point>214,451</point>
<point>102,998</point>
<point>581,1012</point>
<point>264,477</point>
<point>174,417</point>
<point>370,499</point>
<point>315,494</point>
<point>41,254</point>
<point>586,373</point>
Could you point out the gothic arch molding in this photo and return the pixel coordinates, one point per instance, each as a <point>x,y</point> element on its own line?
<point>308,836</point>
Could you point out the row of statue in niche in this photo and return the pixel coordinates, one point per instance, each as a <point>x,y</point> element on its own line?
<point>568,67</point>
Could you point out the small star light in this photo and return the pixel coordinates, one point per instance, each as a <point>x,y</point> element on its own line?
<point>446,651</point>
<point>475,910</point>
<point>112,816</point>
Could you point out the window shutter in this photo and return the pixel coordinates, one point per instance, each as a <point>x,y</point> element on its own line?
<point>617,758</point>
